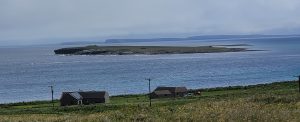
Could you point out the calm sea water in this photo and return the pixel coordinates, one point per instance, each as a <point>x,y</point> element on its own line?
<point>26,72</point>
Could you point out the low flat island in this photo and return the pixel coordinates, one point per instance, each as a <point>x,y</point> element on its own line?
<point>147,50</point>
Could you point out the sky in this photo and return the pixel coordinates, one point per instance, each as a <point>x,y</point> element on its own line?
<point>54,21</point>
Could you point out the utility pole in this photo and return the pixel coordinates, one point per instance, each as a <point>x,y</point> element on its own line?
<point>149,81</point>
<point>52,95</point>
<point>298,81</point>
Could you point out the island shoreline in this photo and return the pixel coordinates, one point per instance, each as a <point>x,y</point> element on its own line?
<point>144,50</point>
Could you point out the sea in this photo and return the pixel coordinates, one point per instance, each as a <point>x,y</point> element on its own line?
<point>26,72</point>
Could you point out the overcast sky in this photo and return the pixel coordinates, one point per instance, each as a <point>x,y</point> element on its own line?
<point>41,21</point>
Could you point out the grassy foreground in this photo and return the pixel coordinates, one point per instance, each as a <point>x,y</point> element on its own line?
<point>266,102</point>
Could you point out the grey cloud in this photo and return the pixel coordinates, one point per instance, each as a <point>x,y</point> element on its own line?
<point>25,21</point>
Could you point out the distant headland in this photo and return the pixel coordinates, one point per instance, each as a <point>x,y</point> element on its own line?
<point>146,50</point>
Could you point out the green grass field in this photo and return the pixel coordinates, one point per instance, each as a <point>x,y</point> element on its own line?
<point>265,102</point>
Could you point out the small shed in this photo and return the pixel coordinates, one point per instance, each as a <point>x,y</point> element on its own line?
<point>83,97</point>
<point>161,92</point>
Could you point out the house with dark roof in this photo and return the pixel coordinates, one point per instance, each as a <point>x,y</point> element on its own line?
<point>83,98</point>
<point>167,92</point>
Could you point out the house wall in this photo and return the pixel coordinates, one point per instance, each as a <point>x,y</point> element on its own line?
<point>164,96</point>
<point>180,94</point>
<point>66,100</point>
<point>106,98</point>
<point>153,96</point>
<point>173,94</point>
<point>87,101</point>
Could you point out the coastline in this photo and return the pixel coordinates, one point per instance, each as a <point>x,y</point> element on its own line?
<point>252,103</point>
<point>189,91</point>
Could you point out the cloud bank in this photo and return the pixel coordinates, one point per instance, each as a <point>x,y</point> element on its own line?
<point>36,21</point>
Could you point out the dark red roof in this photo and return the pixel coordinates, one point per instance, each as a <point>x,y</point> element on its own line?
<point>172,89</point>
<point>162,92</point>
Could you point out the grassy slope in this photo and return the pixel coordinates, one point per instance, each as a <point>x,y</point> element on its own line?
<point>270,102</point>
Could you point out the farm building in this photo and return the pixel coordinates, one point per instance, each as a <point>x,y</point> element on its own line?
<point>83,97</point>
<point>167,92</point>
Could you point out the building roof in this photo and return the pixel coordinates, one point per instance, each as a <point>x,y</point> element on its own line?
<point>162,92</point>
<point>79,95</point>
<point>76,95</point>
<point>92,94</point>
<point>172,89</point>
